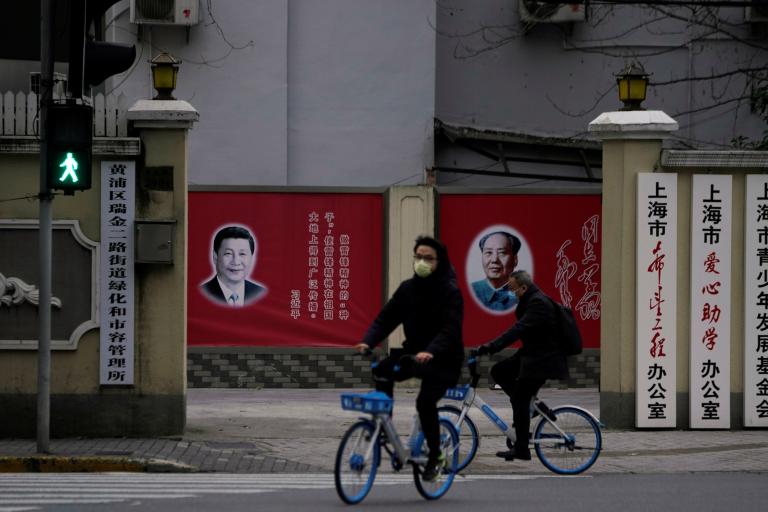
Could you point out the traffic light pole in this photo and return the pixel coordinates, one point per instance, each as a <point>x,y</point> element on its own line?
<point>46,233</point>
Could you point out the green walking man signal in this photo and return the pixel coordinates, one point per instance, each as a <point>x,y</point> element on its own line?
<point>70,136</point>
<point>71,166</point>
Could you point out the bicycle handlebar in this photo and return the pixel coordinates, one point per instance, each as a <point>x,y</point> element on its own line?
<point>472,365</point>
<point>373,357</point>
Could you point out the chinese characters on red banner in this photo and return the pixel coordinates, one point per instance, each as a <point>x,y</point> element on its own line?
<point>756,303</point>
<point>710,301</point>
<point>328,271</point>
<point>588,305</point>
<point>117,275</point>
<point>656,299</point>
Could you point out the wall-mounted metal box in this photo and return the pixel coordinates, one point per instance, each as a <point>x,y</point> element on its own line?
<point>154,241</point>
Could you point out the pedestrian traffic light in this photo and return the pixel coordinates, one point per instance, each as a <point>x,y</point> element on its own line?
<point>70,131</point>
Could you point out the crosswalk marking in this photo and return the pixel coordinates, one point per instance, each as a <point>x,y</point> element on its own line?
<point>24,492</point>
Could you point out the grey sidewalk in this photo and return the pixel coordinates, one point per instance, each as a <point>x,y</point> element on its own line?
<point>298,430</point>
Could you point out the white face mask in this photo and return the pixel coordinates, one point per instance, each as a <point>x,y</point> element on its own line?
<point>422,268</point>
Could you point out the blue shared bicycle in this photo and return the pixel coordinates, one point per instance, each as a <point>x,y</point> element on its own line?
<point>567,438</point>
<point>359,455</point>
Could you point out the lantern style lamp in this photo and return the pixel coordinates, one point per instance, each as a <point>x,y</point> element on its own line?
<point>164,71</point>
<point>633,83</point>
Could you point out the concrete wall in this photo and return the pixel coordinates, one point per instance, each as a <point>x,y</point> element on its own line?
<point>299,92</point>
<point>156,403</point>
<point>496,71</point>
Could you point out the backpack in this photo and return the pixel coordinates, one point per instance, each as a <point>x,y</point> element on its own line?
<point>568,335</point>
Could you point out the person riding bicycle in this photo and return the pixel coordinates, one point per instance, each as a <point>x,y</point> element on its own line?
<point>539,358</point>
<point>430,307</point>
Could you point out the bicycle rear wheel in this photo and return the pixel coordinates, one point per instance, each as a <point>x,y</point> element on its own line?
<point>577,450</point>
<point>449,444</point>
<point>353,472</point>
<point>469,439</point>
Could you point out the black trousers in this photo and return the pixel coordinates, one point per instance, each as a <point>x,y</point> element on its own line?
<point>435,381</point>
<point>520,391</point>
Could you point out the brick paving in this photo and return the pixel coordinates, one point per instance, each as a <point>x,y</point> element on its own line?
<point>232,368</point>
<point>298,430</point>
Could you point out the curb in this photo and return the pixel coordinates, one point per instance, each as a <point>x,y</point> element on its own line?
<point>85,464</point>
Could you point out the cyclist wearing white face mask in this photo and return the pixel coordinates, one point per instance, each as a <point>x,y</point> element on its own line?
<point>431,308</point>
<point>539,358</point>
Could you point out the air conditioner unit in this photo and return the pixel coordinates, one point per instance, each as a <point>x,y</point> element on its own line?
<point>544,12</point>
<point>165,12</point>
<point>757,12</point>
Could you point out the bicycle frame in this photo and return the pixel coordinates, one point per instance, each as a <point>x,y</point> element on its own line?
<point>469,398</point>
<point>403,453</point>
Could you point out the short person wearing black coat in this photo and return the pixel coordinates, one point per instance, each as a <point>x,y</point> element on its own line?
<point>539,358</point>
<point>430,308</point>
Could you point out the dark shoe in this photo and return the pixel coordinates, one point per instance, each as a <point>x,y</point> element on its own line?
<point>433,468</point>
<point>515,454</point>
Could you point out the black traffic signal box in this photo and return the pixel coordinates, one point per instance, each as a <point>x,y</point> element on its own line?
<point>69,144</point>
<point>92,60</point>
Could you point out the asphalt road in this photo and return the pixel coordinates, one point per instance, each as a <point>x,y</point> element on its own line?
<point>127,492</point>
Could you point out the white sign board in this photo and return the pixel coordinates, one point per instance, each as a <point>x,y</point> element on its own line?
<point>118,211</point>
<point>756,302</point>
<point>710,343</point>
<point>656,300</point>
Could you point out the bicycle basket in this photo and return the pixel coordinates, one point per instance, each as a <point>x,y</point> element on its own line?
<point>373,402</point>
<point>457,393</point>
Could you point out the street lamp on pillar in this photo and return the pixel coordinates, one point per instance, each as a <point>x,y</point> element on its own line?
<point>164,70</point>
<point>633,83</point>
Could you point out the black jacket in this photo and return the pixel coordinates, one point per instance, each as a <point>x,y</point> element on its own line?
<point>431,310</point>
<point>539,356</point>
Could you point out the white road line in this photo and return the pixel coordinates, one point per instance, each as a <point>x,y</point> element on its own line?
<point>23,492</point>
<point>235,477</point>
<point>86,501</point>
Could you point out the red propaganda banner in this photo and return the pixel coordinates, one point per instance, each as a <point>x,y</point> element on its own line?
<point>283,269</point>
<point>554,237</point>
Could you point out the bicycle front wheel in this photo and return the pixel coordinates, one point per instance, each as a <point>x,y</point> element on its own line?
<point>356,462</point>
<point>469,439</point>
<point>574,451</point>
<point>449,444</point>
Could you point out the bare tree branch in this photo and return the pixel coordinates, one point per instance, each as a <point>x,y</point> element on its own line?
<point>582,113</point>
<point>700,23</point>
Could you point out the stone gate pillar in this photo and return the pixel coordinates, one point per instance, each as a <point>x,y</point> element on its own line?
<point>632,142</point>
<point>410,213</point>
<point>161,209</point>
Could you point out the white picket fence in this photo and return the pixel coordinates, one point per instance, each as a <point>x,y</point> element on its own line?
<point>19,115</point>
